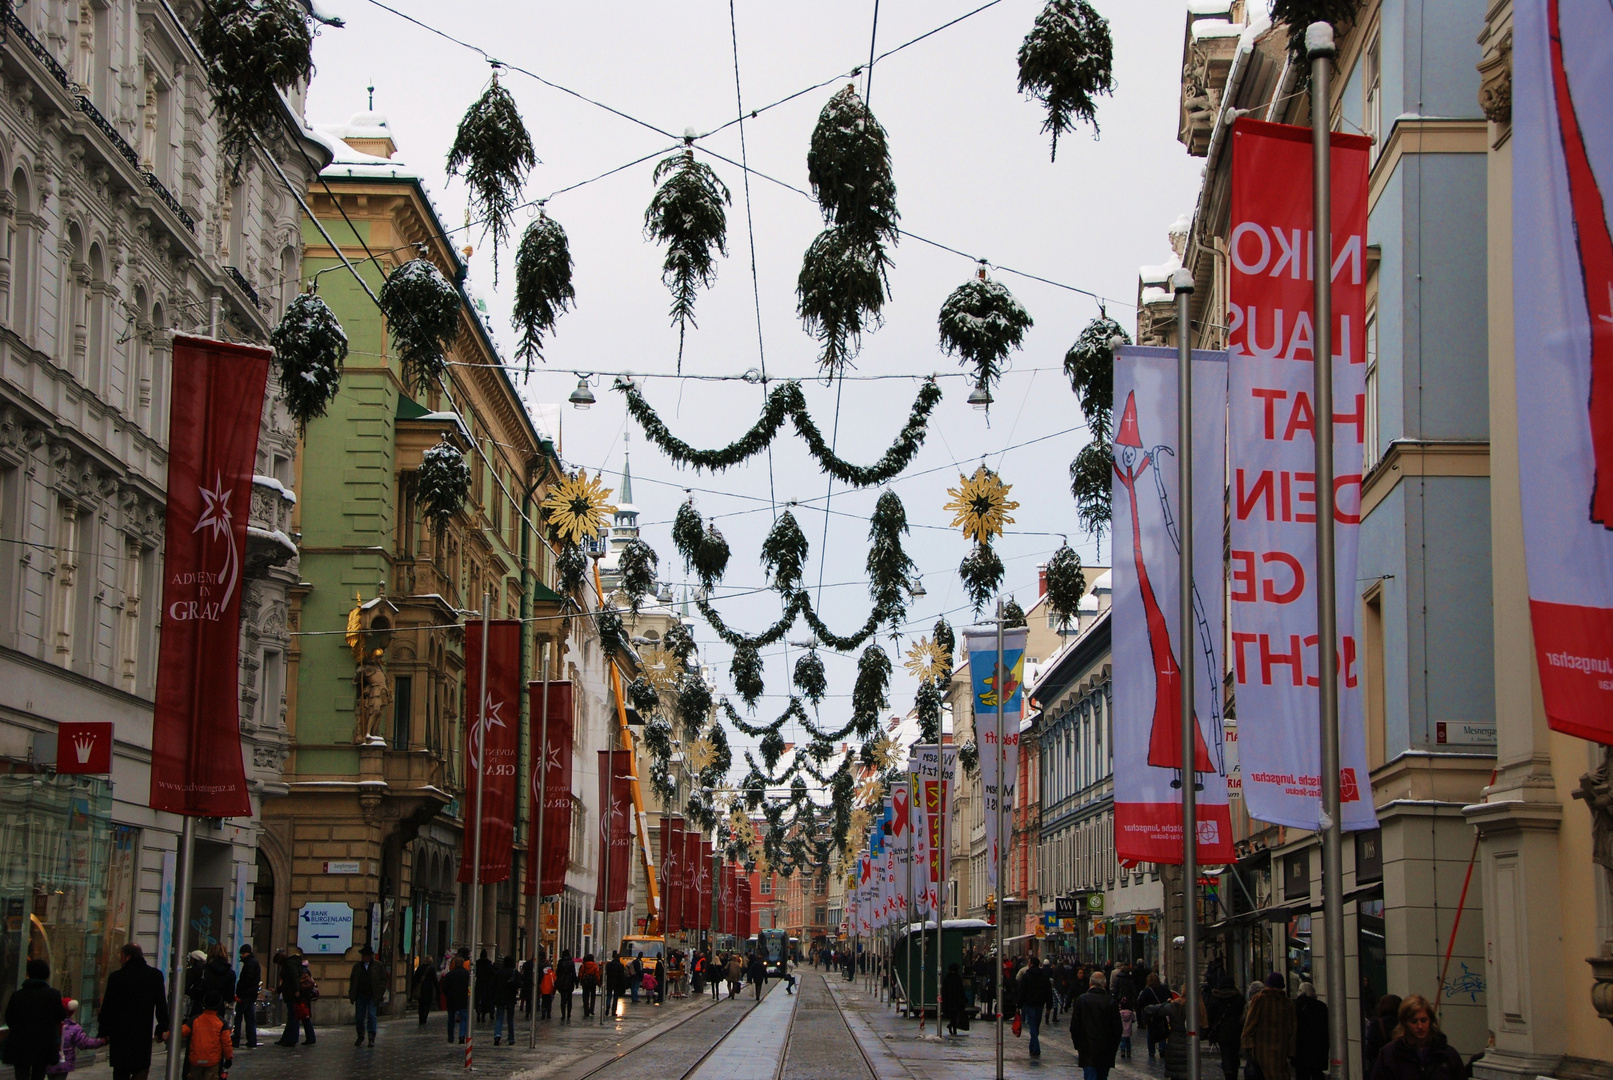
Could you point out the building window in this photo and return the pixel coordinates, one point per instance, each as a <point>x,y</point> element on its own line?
<point>767,884</point>
<point>1372,78</point>
<point>1369,442</point>
<point>402,710</point>
<point>272,688</point>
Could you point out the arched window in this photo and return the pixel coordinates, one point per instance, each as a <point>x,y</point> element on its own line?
<point>70,329</point>
<point>22,239</point>
<point>95,296</point>
<point>157,418</point>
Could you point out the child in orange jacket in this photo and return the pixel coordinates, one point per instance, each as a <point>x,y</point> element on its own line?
<point>211,1054</point>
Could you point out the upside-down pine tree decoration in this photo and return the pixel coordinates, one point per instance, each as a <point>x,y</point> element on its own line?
<point>494,151</point>
<point>784,553</point>
<point>1065,62</point>
<point>1090,366</point>
<point>543,287</point>
<point>810,677</point>
<point>982,574</point>
<point>686,213</point>
<point>840,292</point>
<point>1013,615</point>
<point>980,323</point>
<point>1299,14</point>
<point>442,482</point>
<point>255,50</point>
<point>422,318</point>
<point>637,566</point>
<point>1066,584</point>
<point>309,347</point>
<point>890,571</point>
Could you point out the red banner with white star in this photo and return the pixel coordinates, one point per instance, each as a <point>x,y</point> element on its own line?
<point>196,763</point>
<point>551,753</point>
<point>616,811</point>
<point>492,745</point>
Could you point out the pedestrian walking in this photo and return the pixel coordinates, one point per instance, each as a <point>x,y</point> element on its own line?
<point>758,974</point>
<point>1034,990</point>
<point>1124,986</point>
<point>1172,1016</point>
<point>1382,1027</point>
<point>736,972</point>
<point>288,987</point>
<point>565,983</point>
<point>74,1039</point>
<point>1224,1008</point>
<point>1096,1028</point>
<point>248,981</point>
<point>1268,1031</point>
<point>675,973</point>
<point>456,998</point>
<point>1417,1049</point>
<point>953,1004</point>
<point>784,973</point>
<point>210,1051</point>
<point>366,985</point>
<point>506,992</point>
<point>134,1013</point>
<point>546,988</point>
<point>484,986</point>
<point>1128,1021</point>
<point>588,979</point>
<point>35,1014</point>
<point>1310,1035</point>
<point>616,976</point>
<point>426,988</point>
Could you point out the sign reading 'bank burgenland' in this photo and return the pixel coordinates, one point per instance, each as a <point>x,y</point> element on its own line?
<point>325,928</point>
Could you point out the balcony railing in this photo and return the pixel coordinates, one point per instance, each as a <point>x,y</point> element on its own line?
<point>35,46</point>
<point>242,284</point>
<point>87,107</point>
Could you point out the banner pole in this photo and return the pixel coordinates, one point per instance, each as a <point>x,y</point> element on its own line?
<point>912,901</point>
<point>476,824</point>
<point>1320,47</point>
<point>537,848</point>
<point>944,872</point>
<point>607,827</point>
<point>1000,683</point>
<point>1182,281</point>
<point>176,964</point>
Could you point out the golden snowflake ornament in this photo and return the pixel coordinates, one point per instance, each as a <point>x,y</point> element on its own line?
<point>884,753</point>
<point>700,755</point>
<point>926,660</point>
<point>660,669</point>
<point>578,509</point>
<point>870,791</point>
<point>860,819</point>
<point>980,504</point>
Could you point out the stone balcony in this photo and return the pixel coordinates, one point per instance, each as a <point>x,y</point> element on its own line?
<point>269,539</point>
<point>1208,49</point>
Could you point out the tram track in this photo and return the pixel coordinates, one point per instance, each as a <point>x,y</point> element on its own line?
<point>650,1057</point>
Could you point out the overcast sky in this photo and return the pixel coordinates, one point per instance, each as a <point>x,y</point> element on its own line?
<point>972,172</point>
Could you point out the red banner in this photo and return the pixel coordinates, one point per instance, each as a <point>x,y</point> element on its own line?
<point>196,763</point>
<point>725,902</point>
<point>689,904</point>
<point>616,803</point>
<point>492,745</point>
<point>744,903</point>
<point>671,874</point>
<point>1271,436</point>
<point>553,786</point>
<point>706,883</point>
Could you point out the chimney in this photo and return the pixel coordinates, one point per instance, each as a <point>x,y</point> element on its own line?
<point>1041,580</point>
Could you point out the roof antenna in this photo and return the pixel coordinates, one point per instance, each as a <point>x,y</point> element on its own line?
<point>371,89</point>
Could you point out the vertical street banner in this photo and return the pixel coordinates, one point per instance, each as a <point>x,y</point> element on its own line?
<point>1562,287</point>
<point>982,650</point>
<point>616,840</point>
<point>935,769</point>
<point>725,898</point>
<point>689,904</point>
<point>553,785</point>
<point>492,744</point>
<point>1145,614</point>
<point>901,847</point>
<point>671,874</point>
<point>1272,450</point>
<point>196,763</point>
<point>876,872</point>
<point>919,840</point>
<point>707,884</point>
<point>892,900</point>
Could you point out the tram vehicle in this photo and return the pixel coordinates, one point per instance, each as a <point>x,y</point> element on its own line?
<point>776,947</point>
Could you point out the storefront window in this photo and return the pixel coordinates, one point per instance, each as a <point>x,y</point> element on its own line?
<point>59,863</point>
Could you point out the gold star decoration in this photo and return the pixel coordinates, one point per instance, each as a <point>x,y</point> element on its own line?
<point>699,755</point>
<point>980,504</point>
<point>578,509</point>
<point>660,668</point>
<point>859,823</point>
<point>739,824</point>
<point>926,660</point>
<point>884,752</point>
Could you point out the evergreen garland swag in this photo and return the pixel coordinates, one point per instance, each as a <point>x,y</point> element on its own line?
<point>687,215</point>
<point>255,49</point>
<point>1066,583</point>
<point>1067,59</point>
<point>788,402</point>
<point>495,153</point>
<point>980,323</point>
<point>810,677</point>
<point>309,347</point>
<point>542,285</point>
<point>637,566</point>
<point>849,166</point>
<point>442,482</point>
<point>746,671</point>
<point>889,568</point>
<point>422,315</point>
<point>841,290</point>
<point>784,553</point>
<point>982,574</point>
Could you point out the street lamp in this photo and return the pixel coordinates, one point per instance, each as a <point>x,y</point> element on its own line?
<point>582,397</point>
<point>980,397</point>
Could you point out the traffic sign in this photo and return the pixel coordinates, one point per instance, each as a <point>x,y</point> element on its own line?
<point>325,928</point>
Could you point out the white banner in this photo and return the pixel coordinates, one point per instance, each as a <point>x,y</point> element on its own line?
<point>1146,631</point>
<point>935,770</point>
<point>982,649</point>
<point>918,840</point>
<point>1562,282</point>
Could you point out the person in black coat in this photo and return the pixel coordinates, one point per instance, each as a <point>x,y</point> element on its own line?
<point>565,983</point>
<point>456,997</point>
<point>484,986</point>
<point>1034,991</point>
<point>756,974</point>
<point>134,1012</point>
<point>425,988</point>
<point>35,1014</point>
<point>1310,1035</point>
<point>248,981</point>
<point>953,1005</point>
<point>1418,1050</point>
<point>1095,1028</point>
<point>1224,1007</point>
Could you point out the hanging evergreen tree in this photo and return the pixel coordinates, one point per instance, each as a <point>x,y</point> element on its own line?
<point>927,708</point>
<point>982,574</point>
<point>1090,365</point>
<point>784,553</point>
<point>637,565</point>
<point>609,624</point>
<point>1065,61</point>
<point>849,166</point>
<point>678,641</point>
<point>1013,614</point>
<point>868,694</point>
<point>422,317</point>
<point>946,643</point>
<point>746,671</point>
<point>1066,584</point>
<point>1091,482</point>
<point>687,215</point>
<point>980,324</point>
<point>841,292</point>
<point>687,530</point>
<point>694,705</point>
<point>309,347</point>
<point>542,285</point>
<point>890,571</point>
<point>702,546</point>
<point>1299,14</point>
<point>256,49</point>
<point>712,559</point>
<point>810,677</point>
<point>494,151</point>
<point>646,699</point>
<point>772,748</point>
<point>571,568</point>
<point>442,482</point>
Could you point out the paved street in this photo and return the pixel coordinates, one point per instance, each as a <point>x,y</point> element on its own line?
<point>829,1030</point>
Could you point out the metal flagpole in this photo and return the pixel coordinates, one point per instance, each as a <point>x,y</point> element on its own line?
<point>1000,682</point>
<point>912,901</point>
<point>1319,45</point>
<point>1183,283</point>
<point>607,827</point>
<point>537,845</point>
<point>176,966</point>
<point>943,869</point>
<point>480,741</point>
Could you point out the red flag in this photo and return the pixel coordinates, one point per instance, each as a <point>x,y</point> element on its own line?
<point>744,903</point>
<point>556,788</point>
<point>689,905</point>
<point>492,745</point>
<point>196,763</point>
<point>615,799</point>
<point>671,874</point>
<point>727,902</point>
<point>707,851</point>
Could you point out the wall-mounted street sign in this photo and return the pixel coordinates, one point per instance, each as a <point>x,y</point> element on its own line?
<point>325,928</point>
